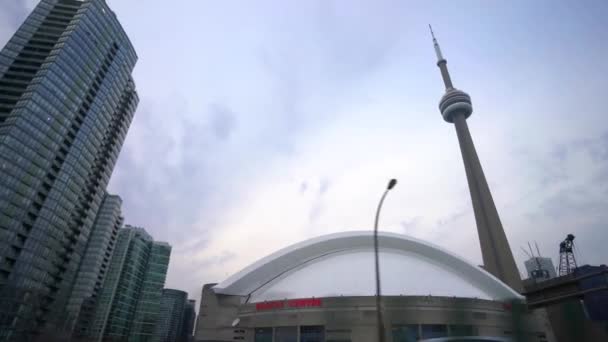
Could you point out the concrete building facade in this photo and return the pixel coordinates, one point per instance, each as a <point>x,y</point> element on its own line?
<point>67,99</point>
<point>322,289</point>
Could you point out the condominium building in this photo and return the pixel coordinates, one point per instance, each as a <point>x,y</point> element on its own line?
<point>170,323</point>
<point>67,99</point>
<point>94,265</point>
<point>129,302</point>
<point>188,321</point>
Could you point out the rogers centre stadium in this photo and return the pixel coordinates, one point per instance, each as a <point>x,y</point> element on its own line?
<point>322,289</point>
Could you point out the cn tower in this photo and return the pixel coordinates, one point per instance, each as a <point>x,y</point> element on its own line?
<point>455,107</point>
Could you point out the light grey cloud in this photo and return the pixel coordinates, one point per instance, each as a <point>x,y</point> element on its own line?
<point>223,121</point>
<point>324,185</point>
<point>571,201</point>
<point>452,217</point>
<point>578,194</point>
<point>220,260</point>
<point>315,211</point>
<point>164,177</point>
<point>410,225</point>
<point>303,187</point>
<point>596,147</point>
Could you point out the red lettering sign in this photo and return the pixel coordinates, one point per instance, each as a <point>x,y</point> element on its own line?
<point>269,305</point>
<point>304,303</point>
<point>293,303</point>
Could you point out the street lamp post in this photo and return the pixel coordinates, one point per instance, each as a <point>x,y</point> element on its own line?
<point>379,319</point>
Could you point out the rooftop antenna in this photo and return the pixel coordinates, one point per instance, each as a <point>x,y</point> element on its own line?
<point>537,250</point>
<point>531,252</point>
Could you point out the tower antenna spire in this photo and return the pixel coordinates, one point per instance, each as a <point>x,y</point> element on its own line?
<point>437,48</point>
<point>442,63</point>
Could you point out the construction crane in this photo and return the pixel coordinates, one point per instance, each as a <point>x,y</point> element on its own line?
<point>567,262</point>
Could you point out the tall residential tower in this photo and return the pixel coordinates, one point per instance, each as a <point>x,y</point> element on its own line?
<point>67,99</point>
<point>188,321</point>
<point>128,305</point>
<point>456,107</point>
<point>94,265</point>
<point>171,321</point>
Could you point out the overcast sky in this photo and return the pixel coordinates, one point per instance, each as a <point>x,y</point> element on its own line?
<point>263,123</point>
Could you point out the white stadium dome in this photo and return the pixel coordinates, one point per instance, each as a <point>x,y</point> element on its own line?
<point>342,264</point>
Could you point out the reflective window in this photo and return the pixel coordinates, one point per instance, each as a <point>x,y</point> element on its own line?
<point>286,334</point>
<point>461,330</point>
<point>405,333</point>
<point>263,335</point>
<point>434,330</point>
<point>313,333</point>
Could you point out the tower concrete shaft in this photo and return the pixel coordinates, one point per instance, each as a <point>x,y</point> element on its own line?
<point>498,259</point>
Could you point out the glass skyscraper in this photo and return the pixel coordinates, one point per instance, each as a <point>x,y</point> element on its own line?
<point>129,302</point>
<point>188,321</point>
<point>67,99</point>
<point>94,265</point>
<point>171,320</point>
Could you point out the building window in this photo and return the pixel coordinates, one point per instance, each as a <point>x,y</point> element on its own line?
<point>286,334</point>
<point>313,333</point>
<point>263,335</point>
<point>480,315</point>
<point>434,330</point>
<point>405,333</point>
<point>461,330</point>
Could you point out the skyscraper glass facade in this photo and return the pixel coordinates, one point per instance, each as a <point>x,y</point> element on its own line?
<point>129,301</point>
<point>171,319</point>
<point>188,321</point>
<point>94,265</point>
<point>148,306</point>
<point>67,99</point>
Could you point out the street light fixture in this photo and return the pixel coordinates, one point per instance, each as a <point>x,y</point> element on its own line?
<point>379,319</point>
